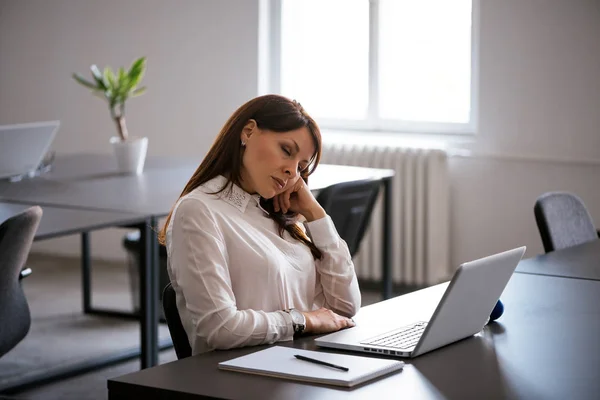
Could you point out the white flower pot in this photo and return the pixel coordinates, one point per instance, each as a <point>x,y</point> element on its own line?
<point>130,154</point>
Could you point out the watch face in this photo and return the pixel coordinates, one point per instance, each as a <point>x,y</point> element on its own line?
<point>297,317</point>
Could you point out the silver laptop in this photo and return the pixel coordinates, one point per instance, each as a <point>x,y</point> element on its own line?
<point>23,147</point>
<point>463,311</point>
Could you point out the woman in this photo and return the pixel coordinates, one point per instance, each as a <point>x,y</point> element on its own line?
<point>243,266</point>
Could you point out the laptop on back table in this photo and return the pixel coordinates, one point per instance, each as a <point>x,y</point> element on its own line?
<point>23,147</point>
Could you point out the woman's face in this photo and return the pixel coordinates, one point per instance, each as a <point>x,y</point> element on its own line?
<point>272,161</point>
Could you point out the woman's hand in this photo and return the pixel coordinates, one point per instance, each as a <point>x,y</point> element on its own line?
<point>298,198</point>
<point>325,321</point>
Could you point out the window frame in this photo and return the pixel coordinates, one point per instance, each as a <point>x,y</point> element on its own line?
<point>270,76</point>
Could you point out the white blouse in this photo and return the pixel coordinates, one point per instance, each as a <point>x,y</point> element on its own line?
<point>233,274</point>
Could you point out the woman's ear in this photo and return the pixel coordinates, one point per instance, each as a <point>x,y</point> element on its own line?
<point>248,130</point>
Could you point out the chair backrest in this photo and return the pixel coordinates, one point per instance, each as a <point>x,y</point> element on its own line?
<point>178,335</point>
<point>563,221</point>
<point>350,205</point>
<point>16,237</point>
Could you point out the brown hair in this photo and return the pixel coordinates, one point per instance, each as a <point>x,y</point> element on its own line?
<point>271,112</point>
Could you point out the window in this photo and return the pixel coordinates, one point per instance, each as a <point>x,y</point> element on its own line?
<point>380,65</point>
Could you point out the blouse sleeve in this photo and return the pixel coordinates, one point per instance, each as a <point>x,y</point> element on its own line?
<point>337,287</point>
<point>199,265</point>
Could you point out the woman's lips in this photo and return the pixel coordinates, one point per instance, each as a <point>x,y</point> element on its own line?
<point>279,183</point>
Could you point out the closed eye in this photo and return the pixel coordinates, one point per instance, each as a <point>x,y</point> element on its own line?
<point>288,153</point>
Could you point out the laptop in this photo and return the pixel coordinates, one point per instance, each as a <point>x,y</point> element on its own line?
<point>463,311</point>
<point>23,147</point>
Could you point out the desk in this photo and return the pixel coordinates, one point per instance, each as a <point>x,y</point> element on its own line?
<point>57,222</point>
<point>528,354</point>
<point>90,182</point>
<point>580,262</point>
<point>545,346</point>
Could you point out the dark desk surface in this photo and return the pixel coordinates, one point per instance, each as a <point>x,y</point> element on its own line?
<point>65,221</point>
<point>582,262</point>
<point>90,181</point>
<point>544,347</point>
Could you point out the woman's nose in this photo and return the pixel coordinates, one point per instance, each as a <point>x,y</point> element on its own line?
<point>292,170</point>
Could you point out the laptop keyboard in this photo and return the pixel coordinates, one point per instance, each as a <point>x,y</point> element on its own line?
<point>403,338</point>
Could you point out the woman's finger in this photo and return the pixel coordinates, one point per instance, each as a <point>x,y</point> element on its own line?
<point>285,200</point>
<point>276,203</point>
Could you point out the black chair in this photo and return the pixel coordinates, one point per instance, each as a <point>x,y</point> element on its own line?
<point>350,205</point>
<point>16,237</point>
<point>131,244</point>
<point>178,335</point>
<point>563,221</point>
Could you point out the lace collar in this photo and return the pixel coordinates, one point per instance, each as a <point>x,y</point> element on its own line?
<point>233,195</point>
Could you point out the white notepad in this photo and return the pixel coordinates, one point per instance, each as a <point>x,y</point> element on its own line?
<point>280,362</point>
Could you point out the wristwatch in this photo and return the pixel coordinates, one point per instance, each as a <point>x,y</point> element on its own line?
<point>298,320</point>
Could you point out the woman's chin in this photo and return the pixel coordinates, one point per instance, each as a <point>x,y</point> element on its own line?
<point>268,194</point>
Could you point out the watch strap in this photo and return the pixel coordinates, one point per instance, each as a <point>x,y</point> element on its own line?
<point>298,328</point>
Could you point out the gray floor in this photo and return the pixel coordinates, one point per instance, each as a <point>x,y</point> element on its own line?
<point>54,294</point>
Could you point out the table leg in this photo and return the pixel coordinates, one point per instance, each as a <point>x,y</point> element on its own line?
<point>154,297</point>
<point>86,276</point>
<point>386,243</point>
<point>148,297</point>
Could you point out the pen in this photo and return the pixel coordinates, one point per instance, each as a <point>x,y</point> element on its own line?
<point>312,360</point>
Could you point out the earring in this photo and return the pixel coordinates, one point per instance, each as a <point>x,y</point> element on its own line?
<point>243,143</point>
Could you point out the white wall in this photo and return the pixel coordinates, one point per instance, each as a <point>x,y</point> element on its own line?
<point>202,64</point>
<point>539,111</point>
<point>539,114</point>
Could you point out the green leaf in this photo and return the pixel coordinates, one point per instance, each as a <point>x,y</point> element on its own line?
<point>109,76</point>
<point>138,64</point>
<point>88,84</point>
<point>122,85</point>
<point>121,75</point>
<point>122,80</point>
<point>136,72</point>
<point>116,88</point>
<point>138,91</point>
<point>98,77</point>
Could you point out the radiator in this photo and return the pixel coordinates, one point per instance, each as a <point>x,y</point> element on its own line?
<point>420,212</point>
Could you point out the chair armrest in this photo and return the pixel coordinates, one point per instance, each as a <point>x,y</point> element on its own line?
<point>25,272</point>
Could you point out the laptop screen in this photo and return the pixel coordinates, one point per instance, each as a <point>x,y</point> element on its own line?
<point>23,147</point>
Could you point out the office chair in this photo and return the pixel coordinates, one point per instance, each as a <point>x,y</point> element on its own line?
<point>350,204</point>
<point>178,335</point>
<point>16,237</point>
<point>563,221</point>
<point>131,244</point>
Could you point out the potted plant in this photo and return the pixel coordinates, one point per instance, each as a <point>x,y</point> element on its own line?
<point>116,88</point>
